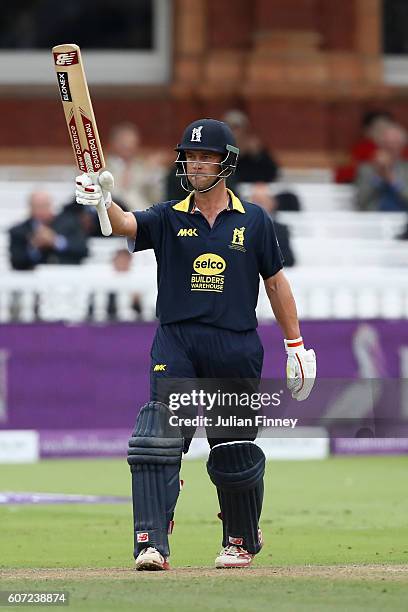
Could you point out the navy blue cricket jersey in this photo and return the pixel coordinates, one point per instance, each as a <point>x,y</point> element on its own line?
<point>209,274</point>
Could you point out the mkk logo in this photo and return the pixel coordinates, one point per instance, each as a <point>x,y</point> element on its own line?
<point>66,59</point>
<point>142,536</point>
<point>160,367</point>
<point>196,134</point>
<point>188,232</point>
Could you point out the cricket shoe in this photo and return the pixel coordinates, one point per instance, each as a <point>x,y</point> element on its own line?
<point>151,560</point>
<point>233,556</point>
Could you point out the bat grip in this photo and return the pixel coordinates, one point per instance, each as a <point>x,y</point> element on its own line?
<point>103,216</point>
<point>104,220</point>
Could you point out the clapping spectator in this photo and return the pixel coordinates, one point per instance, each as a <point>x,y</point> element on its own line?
<point>46,238</point>
<point>138,178</point>
<point>382,184</point>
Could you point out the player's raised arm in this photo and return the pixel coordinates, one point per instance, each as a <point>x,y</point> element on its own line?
<point>90,194</point>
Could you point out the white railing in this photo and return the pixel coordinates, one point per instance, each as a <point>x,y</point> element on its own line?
<point>347,225</point>
<point>54,293</point>
<point>345,293</point>
<point>66,293</point>
<point>321,197</point>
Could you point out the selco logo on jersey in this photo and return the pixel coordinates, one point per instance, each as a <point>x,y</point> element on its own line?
<point>208,273</point>
<point>209,263</point>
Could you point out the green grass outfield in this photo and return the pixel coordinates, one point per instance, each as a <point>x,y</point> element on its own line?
<point>320,519</point>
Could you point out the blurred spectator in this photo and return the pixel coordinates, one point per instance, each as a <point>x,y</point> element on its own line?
<point>46,238</point>
<point>260,194</point>
<point>121,264</point>
<point>286,200</point>
<point>372,125</point>
<point>86,217</point>
<point>138,178</point>
<point>255,163</point>
<point>382,184</point>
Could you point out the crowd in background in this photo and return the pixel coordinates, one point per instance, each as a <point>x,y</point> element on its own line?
<point>378,167</point>
<point>141,180</point>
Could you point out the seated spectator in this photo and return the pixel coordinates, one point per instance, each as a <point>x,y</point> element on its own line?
<point>255,164</point>
<point>382,184</point>
<point>260,194</point>
<point>46,238</point>
<point>288,201</point>
<point>121,263</point>
<point>138,178</point>
<point>365,148</point>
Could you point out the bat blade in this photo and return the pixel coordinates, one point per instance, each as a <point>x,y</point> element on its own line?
<point>79,117</point>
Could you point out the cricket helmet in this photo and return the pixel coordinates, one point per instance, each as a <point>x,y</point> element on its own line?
<point>207,135</point>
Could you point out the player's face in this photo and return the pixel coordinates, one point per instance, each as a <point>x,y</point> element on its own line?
<point>202,167</point>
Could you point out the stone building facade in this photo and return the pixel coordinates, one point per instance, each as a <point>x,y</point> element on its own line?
<point>303,70</point>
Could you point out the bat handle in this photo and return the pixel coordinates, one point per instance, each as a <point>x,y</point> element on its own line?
<point>103,216</point>
<point>104,220</point>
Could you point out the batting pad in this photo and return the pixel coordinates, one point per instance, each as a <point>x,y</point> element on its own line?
<point>154,456</point>
<point>237,470</point>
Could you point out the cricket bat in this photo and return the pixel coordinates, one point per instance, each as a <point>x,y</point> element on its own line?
<point>80,117</point>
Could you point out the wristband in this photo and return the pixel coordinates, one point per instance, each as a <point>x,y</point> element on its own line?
<point>293,346</point>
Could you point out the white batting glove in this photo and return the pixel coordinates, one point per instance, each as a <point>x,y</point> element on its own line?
<point>300,369</point>
<point>94,191</point>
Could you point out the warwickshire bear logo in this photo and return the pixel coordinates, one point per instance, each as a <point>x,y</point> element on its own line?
<point>196,134</point>
<point>238,239</point>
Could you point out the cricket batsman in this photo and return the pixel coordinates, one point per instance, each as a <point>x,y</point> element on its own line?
<point>210,249</point>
